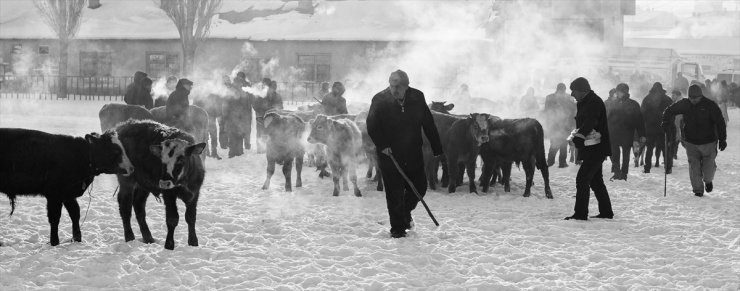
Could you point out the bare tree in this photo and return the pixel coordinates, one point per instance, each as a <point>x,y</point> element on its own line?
<point>63,16</point>
<point>193,21</point>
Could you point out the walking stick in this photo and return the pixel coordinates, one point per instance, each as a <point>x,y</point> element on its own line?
<point>413,188</point>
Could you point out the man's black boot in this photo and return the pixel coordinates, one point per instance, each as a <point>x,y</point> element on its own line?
<point>709,187</point>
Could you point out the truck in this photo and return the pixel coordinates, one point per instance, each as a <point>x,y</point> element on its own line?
<point>661,65</point>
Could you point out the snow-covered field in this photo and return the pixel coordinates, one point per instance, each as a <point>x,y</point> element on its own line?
<point>271,240</point>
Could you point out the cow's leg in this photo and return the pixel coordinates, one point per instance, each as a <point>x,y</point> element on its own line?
<point>529,171</point>
<point>336,173</point>
<point>470,165</point>
<point>139,203</point>
<point>506,176</point>
<point>173,218</point>
<point>298,170</point>
<point>546,178</point>
<point>270,172</point>
<point>486,176</point>
<point>125,202</point>
<point>190,214</point>
<point>445,172</point>
<point>453,168</point>
<point>370,165</point>
<point>352,169</point>
<point>428,164</point>
<point>73,209</point>
<point>345,173</point>
<point>380,178</point>
<point>287,169</point>
<point>461,173</point>
<point>53,212</point>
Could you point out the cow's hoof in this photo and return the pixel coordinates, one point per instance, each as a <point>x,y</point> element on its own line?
<point>128,237</point>
<point>298,184</point>
<point>288,189</point>
<point>379,188</point>
<point>77,238</point>
<point>193,242</point>
<point>526,194</point>
<point>369,175</point>
<point>170,245</point>
<point>54,241</point>
<point>357,192</point>
<point>148,240</point>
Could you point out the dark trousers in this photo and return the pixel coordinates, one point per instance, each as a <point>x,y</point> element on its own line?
<point>589,178</point>
<point>400,198</point>
<point>656,142</point>
<point>556,145</point>
<point>626,151</point>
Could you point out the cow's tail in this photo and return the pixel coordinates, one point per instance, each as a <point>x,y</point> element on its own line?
<point>539,155</point>
<point>12,204</point>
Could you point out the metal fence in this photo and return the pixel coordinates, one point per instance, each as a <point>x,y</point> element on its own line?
<point>113,88</point>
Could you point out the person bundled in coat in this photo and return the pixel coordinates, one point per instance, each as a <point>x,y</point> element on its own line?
<point>334,103</point>
<point>139,91</point>
<point>178,104</point>
<point>237,119</point>
<point>625,119</point>
<point>652,112</point>
<point>559,113</point>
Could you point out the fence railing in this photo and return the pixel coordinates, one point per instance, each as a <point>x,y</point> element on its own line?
<point>113,88</point>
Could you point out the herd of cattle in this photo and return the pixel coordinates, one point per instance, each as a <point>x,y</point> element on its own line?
<point>150,155</point>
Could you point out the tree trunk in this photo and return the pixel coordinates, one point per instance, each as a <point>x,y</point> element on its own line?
<point>188,64</point>
<point>63,59</point>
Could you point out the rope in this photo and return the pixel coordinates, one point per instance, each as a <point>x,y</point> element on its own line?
<point>89,194</point>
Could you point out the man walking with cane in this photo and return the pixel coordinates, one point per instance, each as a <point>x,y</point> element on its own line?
<point>396,119</point>
<point>704,131</point>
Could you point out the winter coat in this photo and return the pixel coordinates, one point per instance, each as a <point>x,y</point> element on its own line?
<point>237,111</point>
<point>132,90</point>
<point>703,122</point>
<point>652,111</point>
<point>592,116</point>
<point>178,102</point>
<point>334,105</point>
<point>399,127</point>
<point>559,114</point>
<point>625,118</point>
<point>682,84</point>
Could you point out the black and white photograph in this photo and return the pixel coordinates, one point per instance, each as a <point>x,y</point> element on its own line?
<point>370,145</point>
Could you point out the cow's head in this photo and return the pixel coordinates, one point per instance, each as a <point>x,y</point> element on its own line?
<point>107,154</point>
<point>479,127</point>
<point>320,129</point>
<point>175,155</point>
<point>441,107</point>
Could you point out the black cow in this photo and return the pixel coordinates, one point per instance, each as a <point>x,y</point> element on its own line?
<point>58,167</point>
<point>114,113</point>
<point>441,107</point>
<point>284,144</point>
<point>520,141</point>
<point>343,142</point>
<point>443,122</point>
<point>463,144</point>
<point>167,163</point>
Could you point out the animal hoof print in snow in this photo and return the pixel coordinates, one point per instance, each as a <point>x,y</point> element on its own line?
<point>699,194</point>
<point>709,187</point>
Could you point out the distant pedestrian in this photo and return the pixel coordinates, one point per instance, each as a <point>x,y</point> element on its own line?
<point>178,103</point>
<point>559,114</point>
<point>395,122</point>
<point>652,108</point>
<point>704,131</point>
<point>591,138</point>
<point>625,119</point>
<point>334,103</point>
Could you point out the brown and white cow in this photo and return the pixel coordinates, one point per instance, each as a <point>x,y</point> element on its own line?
<point>343,142</point>
<point>167,163</point>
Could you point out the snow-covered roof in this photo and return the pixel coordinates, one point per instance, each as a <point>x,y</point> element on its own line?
<point>282,20</point>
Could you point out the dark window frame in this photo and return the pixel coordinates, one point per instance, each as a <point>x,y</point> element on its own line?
<point>316,66</point>
<point>170,64</point>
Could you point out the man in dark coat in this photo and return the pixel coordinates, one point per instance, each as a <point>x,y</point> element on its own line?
<point>395,122</point>
<point>592,142</point>
<point>681,83</point>
<point>559,113</point>
<point>704,130</point>
<point>334,103</point>
<point>625,118</point>
<point>238,117</point>
<point>178,103</point>
<point>652,112</point>
<point>133,90</point>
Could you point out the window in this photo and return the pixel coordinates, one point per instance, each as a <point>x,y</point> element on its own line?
<point>161,64</point>
<point>316,67</point>
<point>43,49</point>
<point>94,64</point>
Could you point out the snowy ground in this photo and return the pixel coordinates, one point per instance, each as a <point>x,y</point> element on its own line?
<point>254,239</point>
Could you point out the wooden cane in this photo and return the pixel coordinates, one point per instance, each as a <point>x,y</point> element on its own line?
<point>413,188</point>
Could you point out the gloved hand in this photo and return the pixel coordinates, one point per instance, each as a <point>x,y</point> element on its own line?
<point>387,151</point>
<point>722,145</point>
<point>579,142</point>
